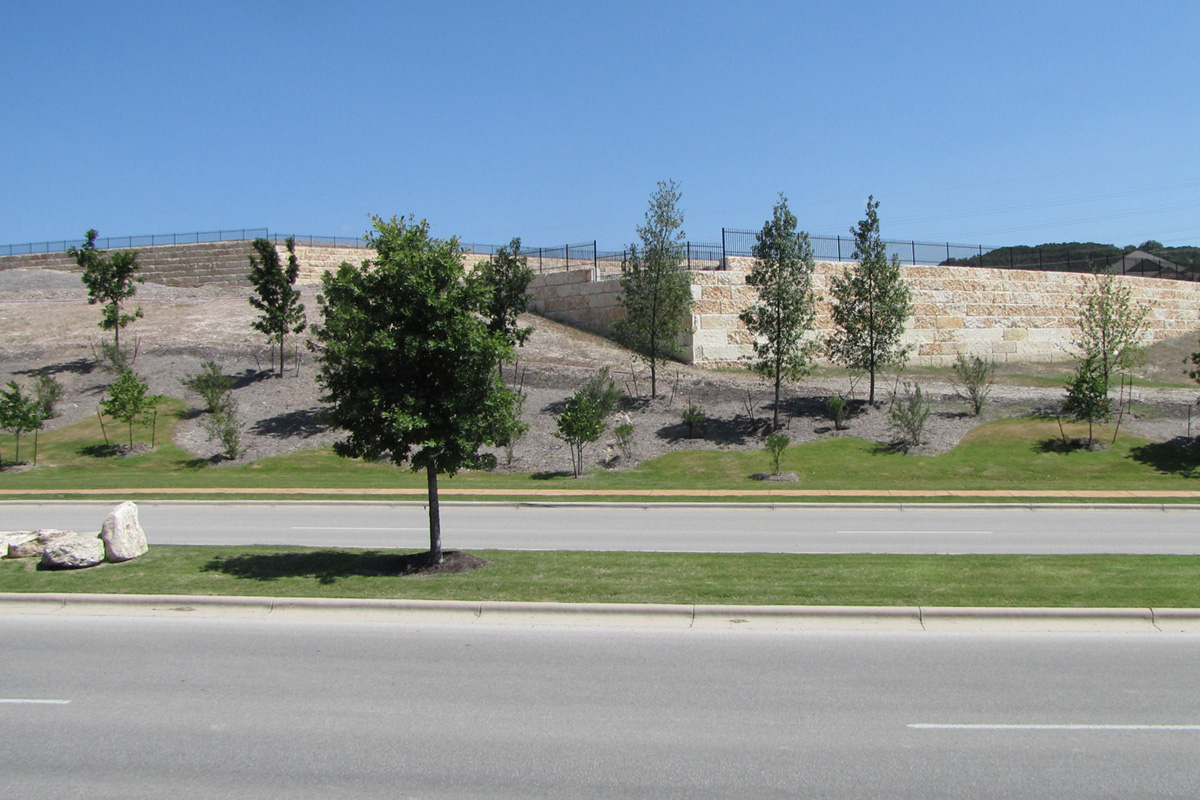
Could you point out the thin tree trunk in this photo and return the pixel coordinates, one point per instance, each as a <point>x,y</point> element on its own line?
<point>435,517</point>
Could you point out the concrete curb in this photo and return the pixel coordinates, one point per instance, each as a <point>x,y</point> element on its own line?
<point>682,616</point>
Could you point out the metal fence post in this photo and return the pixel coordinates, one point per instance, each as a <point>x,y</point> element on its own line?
<point>724,252</point>
<point>914,251</point>
<point>839,238</point>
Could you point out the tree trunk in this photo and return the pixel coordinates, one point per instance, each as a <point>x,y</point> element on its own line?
<point>775,416</point>
<point>435,517</point>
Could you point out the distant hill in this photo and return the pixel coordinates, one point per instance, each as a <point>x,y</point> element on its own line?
<point>1078,257</point>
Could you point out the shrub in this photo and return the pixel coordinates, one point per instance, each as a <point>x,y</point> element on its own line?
<point>776,443</point>
<point>908,416</point>
<point>602,391</point>
<point>693,417</point>
<point>974,378</point>
<point>514,427</point>
<point>114,359</point>
<point>624,434</point>
<point>222,426</point>
<point>48,392</point>
<point>214,388</point>
<point>580,423</point>
<point>838,411</point>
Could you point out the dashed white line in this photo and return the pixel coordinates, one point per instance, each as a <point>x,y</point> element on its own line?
<point>31,701</point>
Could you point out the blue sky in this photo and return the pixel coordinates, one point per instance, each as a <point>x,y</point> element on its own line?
<point>998,123</point>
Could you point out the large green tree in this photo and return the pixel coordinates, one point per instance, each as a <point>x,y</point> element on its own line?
<point>408,361</point>
<point>871,302</point>
<point>784,314</point>
<point>655,288</point>
<point>110,282</point>
<point>276,295</point>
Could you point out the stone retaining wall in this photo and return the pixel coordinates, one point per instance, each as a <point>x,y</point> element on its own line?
<point>1006,315</point>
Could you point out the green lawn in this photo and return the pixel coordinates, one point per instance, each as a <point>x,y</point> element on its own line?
<point>1010,454</point>
<point>753,579</point>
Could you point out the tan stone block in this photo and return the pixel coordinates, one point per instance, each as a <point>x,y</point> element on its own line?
<point>1015,334</point>
<point>949,322</point>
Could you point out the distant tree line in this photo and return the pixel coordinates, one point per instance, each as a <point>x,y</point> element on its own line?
<point>1076,256</point>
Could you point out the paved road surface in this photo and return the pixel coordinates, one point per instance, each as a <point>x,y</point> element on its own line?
<point>785,529</point>
<point>188,708</point>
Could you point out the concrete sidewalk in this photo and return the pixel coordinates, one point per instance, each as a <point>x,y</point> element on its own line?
<point>696,617</point>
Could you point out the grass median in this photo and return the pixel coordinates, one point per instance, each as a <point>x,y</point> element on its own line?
<point>1013,454</point>
<point>1087,581</point>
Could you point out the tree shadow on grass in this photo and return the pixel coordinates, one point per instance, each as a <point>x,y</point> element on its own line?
<point>328,566</point>
<point>1180,456</point>
<point>100,450</point>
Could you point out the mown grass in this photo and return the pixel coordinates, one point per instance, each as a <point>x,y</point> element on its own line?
<point>1012,454</point>
<point>1093,581</point>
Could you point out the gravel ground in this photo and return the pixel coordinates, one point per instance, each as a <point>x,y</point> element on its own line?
<point>46,324</point>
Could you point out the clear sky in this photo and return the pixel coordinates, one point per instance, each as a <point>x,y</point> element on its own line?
<point>994,123</point>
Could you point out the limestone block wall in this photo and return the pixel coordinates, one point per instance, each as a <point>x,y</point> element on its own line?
<point>578,297</point>
<point>1006,315</point>
<point>221,263</point>
<point>203,264</point>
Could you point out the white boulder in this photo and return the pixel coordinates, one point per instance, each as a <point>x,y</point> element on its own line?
<point>35,545</point>
<point>74,551</point>
<point>122,534</point>
<point>8,537</point>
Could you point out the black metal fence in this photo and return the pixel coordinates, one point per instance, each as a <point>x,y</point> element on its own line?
<point>841,248</point>
<point>706,255</point>
<point>158,239</point>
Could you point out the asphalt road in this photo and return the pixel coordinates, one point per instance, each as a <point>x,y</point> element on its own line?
<point>112,707</point>
<point>681,528</point>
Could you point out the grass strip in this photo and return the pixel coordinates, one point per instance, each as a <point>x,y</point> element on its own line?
<point>1068,581</point>
<point>1013,454</point>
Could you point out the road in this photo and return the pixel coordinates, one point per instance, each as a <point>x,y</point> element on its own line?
<point>118,707</point>
<point>681,528</point>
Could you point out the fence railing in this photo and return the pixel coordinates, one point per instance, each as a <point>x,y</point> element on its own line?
<point>699,255</point>
<point>841,248</point>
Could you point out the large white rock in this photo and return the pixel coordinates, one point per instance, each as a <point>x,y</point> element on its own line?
<point>35,545</point>
<point>74,551</point>
<point>8,537</point>
<point>122,534</point>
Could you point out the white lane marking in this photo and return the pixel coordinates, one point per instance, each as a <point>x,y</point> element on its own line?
<point>33,701</point>
<point>919,533</point>
<point>1046,727</point>
<point>330,528</point>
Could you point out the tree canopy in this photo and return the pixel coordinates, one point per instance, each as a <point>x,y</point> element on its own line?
<point>871,302</point>
<point>786,307</point>
<point>407,359</point>
<point>276,295</point>
<point>110,282</point>
<point>655,289</point>
<point>506,276</point>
